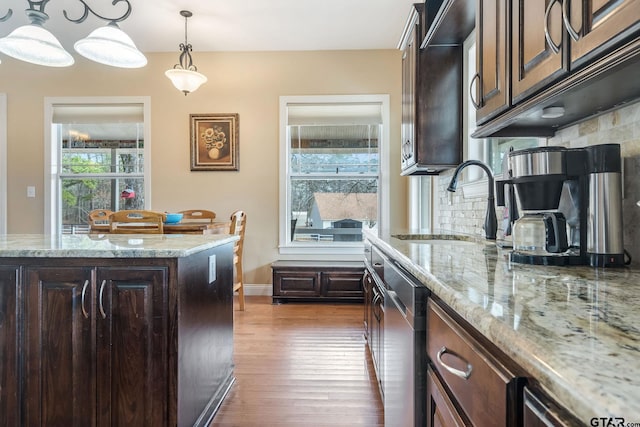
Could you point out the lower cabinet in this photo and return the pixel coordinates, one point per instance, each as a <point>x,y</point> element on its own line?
<point>481,382</point>
<point>115,342</point>
<point>317,280</point>
<point>9,353</point>
<point>440,409</point>
<point>110,321</point>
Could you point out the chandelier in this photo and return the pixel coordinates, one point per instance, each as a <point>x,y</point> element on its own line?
<point>107,45</point>
<point>184,75</point>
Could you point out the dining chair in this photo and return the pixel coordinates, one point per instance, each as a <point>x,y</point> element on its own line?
<point>98,219</point>
<point>136,222</point>
<point>198,215</point>
<point>238,224</point>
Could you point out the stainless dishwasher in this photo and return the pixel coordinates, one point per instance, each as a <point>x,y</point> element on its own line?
<point>404,377</point>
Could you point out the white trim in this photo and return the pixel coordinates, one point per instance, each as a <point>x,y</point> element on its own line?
<point>3,163</point>
<point>51,206</point>
<point>262,289</point>
<point>384,183</point>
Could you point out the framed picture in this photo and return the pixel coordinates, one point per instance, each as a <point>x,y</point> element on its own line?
<point>214,142</point>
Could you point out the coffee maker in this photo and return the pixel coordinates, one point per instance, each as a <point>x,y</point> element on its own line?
<point>570,202</point>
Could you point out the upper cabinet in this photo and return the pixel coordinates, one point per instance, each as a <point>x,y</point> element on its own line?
<point>490,86</point>
<point>431,46</point>
<point>581,55</point>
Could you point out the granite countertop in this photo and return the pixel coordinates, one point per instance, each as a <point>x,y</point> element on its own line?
<point>574,329</point>
<point>108,245</point>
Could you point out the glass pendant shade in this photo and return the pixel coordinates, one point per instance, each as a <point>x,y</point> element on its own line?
<point>32,43</point>
<point>110,45</point>
<point>186,81</point>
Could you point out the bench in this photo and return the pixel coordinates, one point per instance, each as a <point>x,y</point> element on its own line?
<point>336,281</point>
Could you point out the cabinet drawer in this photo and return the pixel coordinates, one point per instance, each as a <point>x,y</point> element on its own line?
<point>482,386</point>
<point>296,283</point>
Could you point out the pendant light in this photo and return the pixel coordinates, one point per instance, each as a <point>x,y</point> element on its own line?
<point>184,75</point>
<point>107,45</point>
<point>110,45</point>
<point>33,43</point>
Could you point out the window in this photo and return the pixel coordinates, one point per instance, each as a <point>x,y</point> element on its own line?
<point>332,155</point>
<point>3,163</point>
<point>99,160</point>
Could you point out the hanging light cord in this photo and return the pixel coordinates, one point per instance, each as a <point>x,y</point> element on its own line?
<point>186,62</point>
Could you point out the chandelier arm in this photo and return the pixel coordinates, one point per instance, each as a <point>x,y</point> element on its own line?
<point>88,9</point>
<point>7,16</point>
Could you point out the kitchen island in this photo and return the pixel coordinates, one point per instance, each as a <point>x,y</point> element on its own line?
<point>115,329</point>
<point>571,332</point>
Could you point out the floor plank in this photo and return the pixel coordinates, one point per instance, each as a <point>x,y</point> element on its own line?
<point>300,365</point>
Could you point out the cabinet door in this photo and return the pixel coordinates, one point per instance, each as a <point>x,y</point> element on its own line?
<point>367,282</point>
<point>409,104</point>
<point>535,64</point>
<point>296,283</point>
<point>9,333</point>
<point>596,26</point>
<point>440,409</point>
<point>132,339</point>
<point>60,347</point>
<point>492,63</point>
<point>342,284</point>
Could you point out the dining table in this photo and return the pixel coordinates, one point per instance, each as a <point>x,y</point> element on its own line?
<point>182,227</point>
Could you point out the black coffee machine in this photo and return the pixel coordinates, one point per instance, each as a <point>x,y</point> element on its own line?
<point>571,205</point>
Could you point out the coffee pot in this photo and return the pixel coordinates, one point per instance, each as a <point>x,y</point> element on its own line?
<point>571,200</point>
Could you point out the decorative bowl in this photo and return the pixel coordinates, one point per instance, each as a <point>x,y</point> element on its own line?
<point>173,218</point>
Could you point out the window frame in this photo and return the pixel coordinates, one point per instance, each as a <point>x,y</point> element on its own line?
<point>285,245</point>
<point>52,157</point>
<point>3,163</point>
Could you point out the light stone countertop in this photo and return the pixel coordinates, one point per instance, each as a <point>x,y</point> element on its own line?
<point>574,329</point>
<point>109,245</point>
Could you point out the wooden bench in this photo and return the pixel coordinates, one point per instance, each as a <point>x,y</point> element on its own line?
<point>317,281</point>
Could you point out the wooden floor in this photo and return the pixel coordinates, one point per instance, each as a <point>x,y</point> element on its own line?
<point>302,365</point>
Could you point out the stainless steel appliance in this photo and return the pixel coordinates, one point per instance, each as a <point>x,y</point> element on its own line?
<point>405,367</point>
<point>571,200</point>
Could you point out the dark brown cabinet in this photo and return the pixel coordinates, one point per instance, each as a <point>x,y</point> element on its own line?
<point>440,410</point>
<point>9,346</point>
<point>116,341</point>
<point>490,86</point>
<point>317,280</point>
<point>595,27</point>
<point>538,38</point>
<point>580,55</point>
<point>480,382</point>
<point>431,97</point>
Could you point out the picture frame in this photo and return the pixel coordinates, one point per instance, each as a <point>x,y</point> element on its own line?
<point>214,142</point>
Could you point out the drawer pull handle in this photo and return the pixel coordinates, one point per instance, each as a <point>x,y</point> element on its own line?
<point>84,294</point>
<point>457,372</point>
<point>102,313</point>
<point>377,264</point>
<point>567,23</point>
<point>554,47</point>
<point>475,103</point>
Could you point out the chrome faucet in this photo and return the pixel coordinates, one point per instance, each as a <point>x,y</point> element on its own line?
<point>490,220</point>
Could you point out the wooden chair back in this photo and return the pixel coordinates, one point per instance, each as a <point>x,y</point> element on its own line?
<point>198,215</point>
<point>238,225</point>
<point>137,222</point>
<point>98,217</point>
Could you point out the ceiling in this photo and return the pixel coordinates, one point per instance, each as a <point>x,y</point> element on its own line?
<point>232,25</point>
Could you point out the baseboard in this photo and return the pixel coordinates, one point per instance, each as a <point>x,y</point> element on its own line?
<point>258,289</point>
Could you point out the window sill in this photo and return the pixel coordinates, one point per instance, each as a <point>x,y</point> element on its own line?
<point>356,249</point>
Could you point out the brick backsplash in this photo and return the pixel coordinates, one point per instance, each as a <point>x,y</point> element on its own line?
<point>466,215</point>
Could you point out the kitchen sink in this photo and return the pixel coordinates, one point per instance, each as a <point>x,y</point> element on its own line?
<point>447,239</point>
